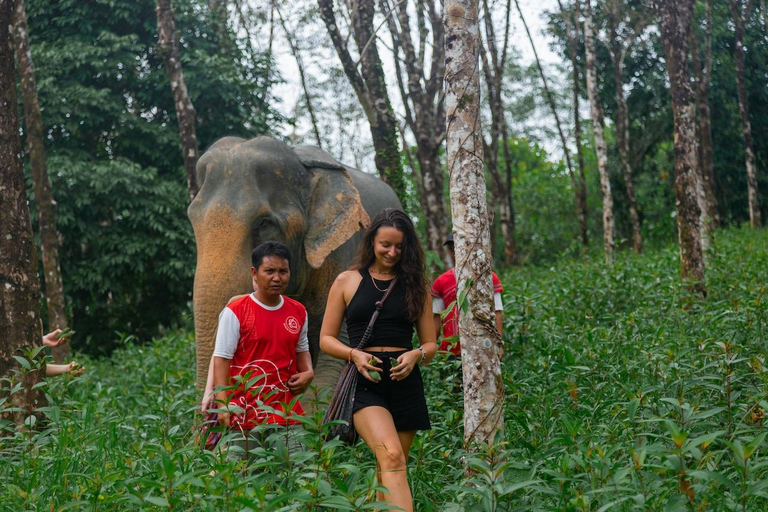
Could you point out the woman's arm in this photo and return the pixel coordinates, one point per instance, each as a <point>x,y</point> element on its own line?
<point>334,316</point>
<point>51,370</point>
<point>425,330</point>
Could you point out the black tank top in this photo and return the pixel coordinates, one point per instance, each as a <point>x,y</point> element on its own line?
<point>392,328</point>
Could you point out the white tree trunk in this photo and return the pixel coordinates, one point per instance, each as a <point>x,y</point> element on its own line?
<point>483,387</point>
<point>597,126</point>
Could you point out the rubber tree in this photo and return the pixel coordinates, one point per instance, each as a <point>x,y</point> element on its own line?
<point>369,84</point>
<point>168,48</point>
<point>418,51</point>
<point>579,183</point>
<point>19,285</point>
<point>675,19</point>
<point>480,342</point>
<point>597,129</point>
<point>702,71</point>
<point>44,202</point>
<point>740,10</point>
<point>494,62</point>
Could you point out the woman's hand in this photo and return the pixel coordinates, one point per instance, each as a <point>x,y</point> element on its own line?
<point>406,363</point>
<point>52,339</point>
<point>364,363</point>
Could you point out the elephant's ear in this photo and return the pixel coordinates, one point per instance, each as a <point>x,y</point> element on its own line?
<point>314,157</point>
<point>336,213</point>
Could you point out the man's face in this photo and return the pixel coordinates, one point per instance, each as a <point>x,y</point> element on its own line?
<point>272,276</point>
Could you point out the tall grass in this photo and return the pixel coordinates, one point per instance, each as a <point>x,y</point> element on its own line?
<point>618,398</point>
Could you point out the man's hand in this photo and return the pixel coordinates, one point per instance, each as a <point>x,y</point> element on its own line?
<point>224,419</point>
<point>299,382</point>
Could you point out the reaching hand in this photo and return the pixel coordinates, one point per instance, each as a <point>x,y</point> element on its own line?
<point>52,340</point>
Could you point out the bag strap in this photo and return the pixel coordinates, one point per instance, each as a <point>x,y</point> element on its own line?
<point>379,305</point>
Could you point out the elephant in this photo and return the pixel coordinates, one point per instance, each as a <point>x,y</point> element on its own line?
<point>261,189</point>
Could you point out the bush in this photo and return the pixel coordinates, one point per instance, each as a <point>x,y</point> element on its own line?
<point>617,397</point>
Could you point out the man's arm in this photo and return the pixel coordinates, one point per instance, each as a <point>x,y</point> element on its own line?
<point>300,381</point>
<point>438,305</point>
<point>220,377</point>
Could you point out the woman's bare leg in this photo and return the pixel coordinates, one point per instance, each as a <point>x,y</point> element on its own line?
<point>376,427</point>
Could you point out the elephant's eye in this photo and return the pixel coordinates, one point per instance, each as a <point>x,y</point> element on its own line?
<point>264,229</point>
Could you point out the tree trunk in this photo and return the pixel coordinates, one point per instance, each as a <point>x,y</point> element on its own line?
<point>622,126</point>
<point>46,206</point>
<point>553,108</point>
<point>483,387</point>
<point>740,12</point>
<point>299,63</point>
<point>19,285</point>
<point>424,110</point>
<point>168,49</point>
<point>702,72</point>
<point>765,14</point>
<point>580,191</point>
<point>494,64</point>
<point>370,87</point>
<point>676,17</point>
<point>597,127</point>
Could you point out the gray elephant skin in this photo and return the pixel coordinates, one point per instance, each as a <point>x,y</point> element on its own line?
<point>261,189</point>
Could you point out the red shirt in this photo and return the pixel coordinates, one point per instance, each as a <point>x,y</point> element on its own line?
<point>444,288</point>
<point>266,358</point>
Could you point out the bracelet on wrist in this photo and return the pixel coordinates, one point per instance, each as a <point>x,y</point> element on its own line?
<point>423,354</point>
<point>349,356</point>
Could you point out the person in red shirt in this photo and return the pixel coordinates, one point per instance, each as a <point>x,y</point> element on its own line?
<point>262,350</point>
<point>444,295</point>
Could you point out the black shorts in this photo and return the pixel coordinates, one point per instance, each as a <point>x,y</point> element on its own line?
<point>404,399</point>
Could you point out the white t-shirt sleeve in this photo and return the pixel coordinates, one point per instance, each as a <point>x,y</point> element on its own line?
<point>303,345</point>
<point>438,305</point>
<point>227,335</point>
<point>497,305</point>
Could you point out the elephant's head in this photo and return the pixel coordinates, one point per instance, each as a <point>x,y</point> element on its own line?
<point>256,190</point>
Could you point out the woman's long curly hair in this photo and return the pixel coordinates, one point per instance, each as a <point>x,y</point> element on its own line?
<point>411,269</point>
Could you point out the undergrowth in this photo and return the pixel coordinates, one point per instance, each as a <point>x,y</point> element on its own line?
<point>621,394</point>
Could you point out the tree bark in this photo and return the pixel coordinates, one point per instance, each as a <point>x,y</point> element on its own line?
<point>702,71</point>
<point>597,127</point>
<point>19,285</point>
<point>618,51</point>
<point>168,49</point>
<point>580,188</point>
<point>675,22</point>
<point>424,111</point>
<point>46,206</point>
<point>370,87</point>
<point>494,64</point>
<point>483,387</point>
<point>764,10</point>
<point>740,12</point>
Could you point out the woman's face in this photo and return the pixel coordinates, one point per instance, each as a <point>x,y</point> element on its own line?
<point>387,247</point>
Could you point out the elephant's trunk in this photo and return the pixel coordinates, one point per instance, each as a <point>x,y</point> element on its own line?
<point>223,260</point>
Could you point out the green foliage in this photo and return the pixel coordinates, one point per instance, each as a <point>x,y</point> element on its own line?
<point>616,398</point>
<point>115,155</point>
<point>128,252</point>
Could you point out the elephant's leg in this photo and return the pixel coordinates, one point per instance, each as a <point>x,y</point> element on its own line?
<point>327,370</point>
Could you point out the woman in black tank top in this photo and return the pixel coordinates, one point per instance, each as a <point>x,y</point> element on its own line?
<point>388,411</point>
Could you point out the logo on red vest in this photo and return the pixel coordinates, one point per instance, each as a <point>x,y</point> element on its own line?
<point>292,325</point>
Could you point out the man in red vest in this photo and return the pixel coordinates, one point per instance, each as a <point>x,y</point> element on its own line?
<point>262,350</point>
<point>444,295</point>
